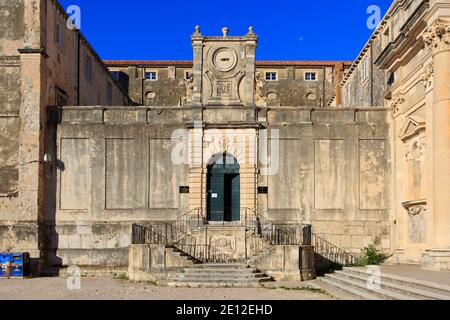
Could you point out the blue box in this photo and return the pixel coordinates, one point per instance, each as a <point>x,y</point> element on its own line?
<point>5,264</point>
<point>20,265</point>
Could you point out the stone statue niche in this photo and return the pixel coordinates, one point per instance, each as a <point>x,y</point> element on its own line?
<point>186,99</point>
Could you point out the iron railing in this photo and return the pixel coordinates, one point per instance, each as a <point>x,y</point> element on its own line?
<point>277,233</point>
<point>178,233</point>
<point>331,252</point>
<point>295,234</point>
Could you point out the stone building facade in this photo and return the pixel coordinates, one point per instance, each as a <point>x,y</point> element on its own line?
<point>284,83</point>
<point>336,145</point>
<point>42,64</point>
<point>410,75</point>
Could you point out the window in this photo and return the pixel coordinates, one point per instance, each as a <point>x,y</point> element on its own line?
<point>151,75</point>
<point>59,35</point>
<point>109,93</point>
<point>386,37</point>
<point>347,95</point>
<point>115,75</point>
<point>271,76</point>
<point>364,69</point>
<point>187,75</point>
<point>310,76</point>
<point>88,69</point>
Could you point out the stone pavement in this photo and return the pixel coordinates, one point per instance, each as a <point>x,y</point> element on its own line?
<point>417,273</point>
<point>115,289</point>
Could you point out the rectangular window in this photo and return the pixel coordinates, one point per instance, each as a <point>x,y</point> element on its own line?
<point>310,76</point>
<point>59,35</point>
<point>365,69</point>
<point>347,95</point>
<point>109,93</point>
<point>151,75</point>
<point>271,76</point>
<point>88,69</point>
<point>116,75</point>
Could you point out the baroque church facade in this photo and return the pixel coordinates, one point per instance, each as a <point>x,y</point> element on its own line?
<point>92,149</point>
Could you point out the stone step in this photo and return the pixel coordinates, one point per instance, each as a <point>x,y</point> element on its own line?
<point>402,288</point>
<point>213,285</point>
<point>217,276</point>
<point>343,282</point>
<point>220,271</point>
<point>431,290</point>
<point>223,266</point>
<point>221,281</point>
<point>331,286</point>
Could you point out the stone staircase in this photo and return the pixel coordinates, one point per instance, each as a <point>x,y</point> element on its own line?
<point>217,275</point>
<point>352,283</point>
<point>188,259</point>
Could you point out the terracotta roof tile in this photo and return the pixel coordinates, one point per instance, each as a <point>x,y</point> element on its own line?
<point>189,63</point>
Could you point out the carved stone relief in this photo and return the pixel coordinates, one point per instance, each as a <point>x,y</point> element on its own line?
<point>225,244</point>
<point>427,76</point>
<point>397,103</point>
<point>416,220</point>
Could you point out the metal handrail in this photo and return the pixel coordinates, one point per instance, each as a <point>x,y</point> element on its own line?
<point>288,234</point>
<point>178,238</point>
<point>331,251</point>
<point>178,233</point>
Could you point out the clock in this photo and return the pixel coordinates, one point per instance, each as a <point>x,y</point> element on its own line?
<point>224,59</point>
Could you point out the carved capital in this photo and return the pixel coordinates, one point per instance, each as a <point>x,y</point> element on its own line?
<point>437,36</point>
<point>397,103</point>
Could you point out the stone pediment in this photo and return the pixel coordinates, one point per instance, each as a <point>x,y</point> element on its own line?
<point>412,126</point>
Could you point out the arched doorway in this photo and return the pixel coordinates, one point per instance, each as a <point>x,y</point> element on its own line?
<point>223,188</point>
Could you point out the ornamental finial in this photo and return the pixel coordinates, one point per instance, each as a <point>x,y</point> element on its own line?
<point>225,31</point>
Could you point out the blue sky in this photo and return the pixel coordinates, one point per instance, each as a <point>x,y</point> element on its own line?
<point>287,29</point>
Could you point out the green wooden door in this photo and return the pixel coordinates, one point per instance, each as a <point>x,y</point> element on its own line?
<point>223,190</point>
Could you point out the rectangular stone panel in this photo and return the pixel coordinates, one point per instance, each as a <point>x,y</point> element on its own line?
<point>76,175</point>
<point>120,184</point>
<point>9,89</point>
<point>329,173</point>
<point>164,176</point>
<point>284,186</point>
<point>373,169</point>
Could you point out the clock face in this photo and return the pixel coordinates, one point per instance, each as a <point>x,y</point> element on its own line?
<point>224,59</point>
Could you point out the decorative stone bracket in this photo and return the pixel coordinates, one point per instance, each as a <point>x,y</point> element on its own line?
<point>415,207</point>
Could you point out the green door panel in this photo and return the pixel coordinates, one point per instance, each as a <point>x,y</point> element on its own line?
<point>223,190</point>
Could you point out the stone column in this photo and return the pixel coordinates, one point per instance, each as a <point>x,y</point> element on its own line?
<point>197,45</point>
<point>251,44</point>
<point>437,38</point>
<point>31,136</point>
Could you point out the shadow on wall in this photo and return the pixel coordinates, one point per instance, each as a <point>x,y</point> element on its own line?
<point>49,238</point>
<point>323,265</point>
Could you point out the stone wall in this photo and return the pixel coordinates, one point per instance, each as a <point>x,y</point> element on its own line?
<point>289,89</point>
<point>36,72</point>
<point>334,172</point>
<point>115,165</point>
<point>364,85</point>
